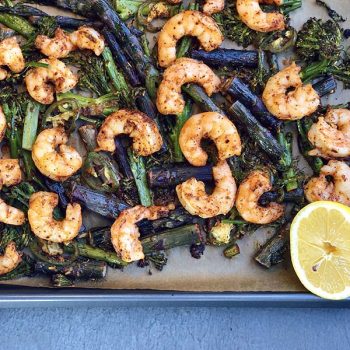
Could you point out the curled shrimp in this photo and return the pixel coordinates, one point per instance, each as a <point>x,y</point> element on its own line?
<point>10,56</point>
<point>53,157</point>
<point>3,124</point>
<point>63,43</point>
<point>10,260</point>
<point>43,82</point>
<point>255,18</point>
<point>211,125</point>
<point>11,215</point>
<point>292,105</point>
<point>213,6</point>
<point>184,70</point>
<point>337,190</point>
<point>88,38</point>
<point>141,128</point>
<point>42,223</point>
<point>192,23</point>
<point>196,201</point>
<point>249,192</point>
<point>10,172</point>
<point>125,234</point>
<point>331,134</point>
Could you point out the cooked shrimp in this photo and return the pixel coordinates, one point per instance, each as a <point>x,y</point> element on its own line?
<point>249,192</point>
<point>292,105</point>
<point>10,260</point>
<point>43,82</point>
<point>53,157</point>
<point>125,234</point>
<point>88,38</point>
<point>211,125</point>
<point>184,70</point>
<point>213,6</point>
<point>3,124</point>
<point>10,215</point>
<point>10,172</point>
<point>42,223</point>
<point>57,47</point>
<point>192,23</point>
<point>253,16</point>
<point>11,56</point>
<point>337,190</point>
<point>196,201</point>
<point>63,43</point>
<point>141,128</point>
<point>331,134</point>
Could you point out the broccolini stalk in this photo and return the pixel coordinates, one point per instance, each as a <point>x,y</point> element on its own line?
<point>170,176</point>
<point>289,175</point>
<point>30,126</point>
<point>12,133</point>
<point>116,77</point>
<point>316,163</point>
<point>138,169</point>
<point>340,71</point>
<point>175,132</point>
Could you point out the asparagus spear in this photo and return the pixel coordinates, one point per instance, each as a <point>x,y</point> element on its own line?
<point>293,196</point>
<point>199,96</point>
<point>18,24</point>
<point>121,59</point>
<point>116,77</point>
<point>272,252</point>
<point>85,270</point>
<point>99,254</point>
<point>231,251</point>
<point>107,205</point>
<point>180,236</point>
<point>257,132</point>
<point>173,175</point>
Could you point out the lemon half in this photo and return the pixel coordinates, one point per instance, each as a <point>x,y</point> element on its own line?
<point>320,249</point>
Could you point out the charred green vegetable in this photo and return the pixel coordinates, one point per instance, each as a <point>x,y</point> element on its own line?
<point>319,40</point>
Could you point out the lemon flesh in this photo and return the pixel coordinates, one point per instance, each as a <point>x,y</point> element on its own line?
<point>320,249</point>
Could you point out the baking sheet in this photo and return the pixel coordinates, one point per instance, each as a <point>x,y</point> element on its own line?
<point>213,272</point>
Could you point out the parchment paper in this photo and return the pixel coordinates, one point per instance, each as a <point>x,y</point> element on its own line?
<point>213,272</point>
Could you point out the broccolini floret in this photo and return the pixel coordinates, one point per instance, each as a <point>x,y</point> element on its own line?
<point>319,40</point>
